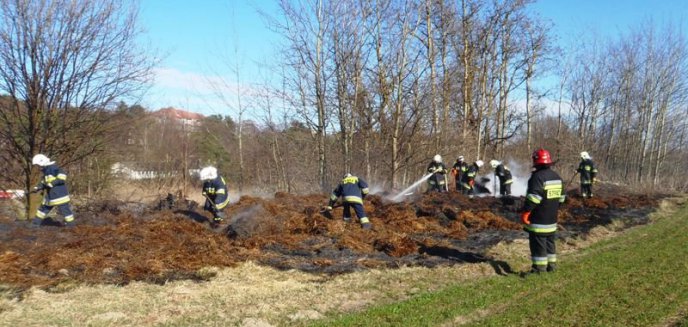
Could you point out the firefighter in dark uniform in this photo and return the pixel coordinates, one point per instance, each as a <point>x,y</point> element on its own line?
<point>438,180</point>
<point>353,190</point>
<point>54,181</point>
<point>504,175</point>
<point>588,174</point>
<point>543,197</point>
<point>215,193</point>
<point>458,170</point>
<point>468,179</point>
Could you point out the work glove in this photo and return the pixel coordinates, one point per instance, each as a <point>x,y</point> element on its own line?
<point>525,217</point>
<point>37,189</point>
<point>471,183</point>
<point>594,180</point>
<point>328,208</point>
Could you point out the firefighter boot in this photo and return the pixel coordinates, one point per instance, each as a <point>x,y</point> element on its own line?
<point>69,224</point>
<point>367,226</point>
<point>347,219</point>
<point>551,267</point>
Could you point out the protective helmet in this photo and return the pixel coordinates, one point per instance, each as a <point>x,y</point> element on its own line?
<point>584,155</point>
<point>41,160</point>
<point>347,175</point>
<point>494,163</point>
<point>541,157</point>
<point>460,158</point>
<point>479,163</point>
<point>208,173</point>
<point>437,158</point>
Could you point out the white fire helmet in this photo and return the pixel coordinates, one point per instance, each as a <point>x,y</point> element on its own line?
<point>585,155</point>
<point>479,163</point>
<point>494,163</point>
<point>347,175</point>
<point>460,158</point>
<point>41,160</point>
<point>208,173</point>
<point>437,158</point>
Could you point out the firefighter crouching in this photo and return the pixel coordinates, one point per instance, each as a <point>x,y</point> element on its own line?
<point>438,180</point>
<point>215,193</point>
<point>54,182</point>
<point>543,197</point>
<point>504,175</point>
<point>468,179</point>
<point>353,190</point>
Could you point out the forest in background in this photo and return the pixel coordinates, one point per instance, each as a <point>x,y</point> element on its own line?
<point>375,88</point>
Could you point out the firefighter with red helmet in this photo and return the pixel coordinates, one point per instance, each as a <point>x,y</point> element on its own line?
<point>543,197</point>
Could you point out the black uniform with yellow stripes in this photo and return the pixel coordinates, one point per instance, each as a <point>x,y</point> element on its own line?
<point>353,190</point>
<point>217,197</point>
<point>588,175</point>
<point>54,181</point>
<point>437,182</point>
<point>468,179</point>
<point>543,197</point>
<point>505,179</point>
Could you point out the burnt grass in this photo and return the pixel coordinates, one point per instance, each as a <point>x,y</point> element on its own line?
<point>116,242</point>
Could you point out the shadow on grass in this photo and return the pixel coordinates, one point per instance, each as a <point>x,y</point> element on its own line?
<point>500,267</point>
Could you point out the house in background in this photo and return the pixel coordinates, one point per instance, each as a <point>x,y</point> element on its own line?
<point>187,120</point>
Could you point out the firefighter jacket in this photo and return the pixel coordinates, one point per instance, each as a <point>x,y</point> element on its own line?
<point>352,189</point>
<point>543,197</point>
<point>459,168</point>
<point>55,182</point>
<point>216,191</point>
<point>438,170</point>
<point>504,175</point>
<point>468,179</point>
<point>587,171</point>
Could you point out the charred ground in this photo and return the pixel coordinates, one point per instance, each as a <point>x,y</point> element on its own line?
<point>117,242</point>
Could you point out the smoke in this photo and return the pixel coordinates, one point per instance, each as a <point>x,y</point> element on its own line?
<point>520,174</point>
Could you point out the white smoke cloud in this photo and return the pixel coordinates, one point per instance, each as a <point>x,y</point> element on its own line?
<point>520,174</point>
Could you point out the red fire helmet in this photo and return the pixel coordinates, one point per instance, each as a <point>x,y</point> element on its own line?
<point>542,157</point>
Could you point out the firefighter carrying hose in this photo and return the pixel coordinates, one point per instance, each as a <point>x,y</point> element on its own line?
<point>504,175</point>
<point>543,197</point>
<point>54,182</point>
<point>353,190</point>
<point>588,174</point>
<point>468,179</point>
<point>458,170</point>
<point>215,193</point>
<point>438,180</point>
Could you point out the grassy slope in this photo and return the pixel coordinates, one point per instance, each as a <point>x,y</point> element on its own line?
<point>637,279</point>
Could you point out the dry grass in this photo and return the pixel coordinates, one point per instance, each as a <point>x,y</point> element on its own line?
<point>244,295</point>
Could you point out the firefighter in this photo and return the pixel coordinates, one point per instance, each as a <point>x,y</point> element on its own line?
<point>539,214</point>
<point>215,193</point>
<point>588,174</point>
<point>353,190</point>
<point>460,167</point>
<point>468,179</point>
<point>504,175</point>
<point>54,183</point>
<point>438,180</point>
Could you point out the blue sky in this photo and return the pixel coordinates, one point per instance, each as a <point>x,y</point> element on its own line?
<point>198,40</point>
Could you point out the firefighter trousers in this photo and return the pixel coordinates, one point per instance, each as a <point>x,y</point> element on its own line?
<point>543,251</point>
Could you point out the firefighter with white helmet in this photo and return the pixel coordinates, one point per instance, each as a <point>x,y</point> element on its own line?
<point>588,174</point>
<point>468,179</point>
<point>54,182</point>
<point>458,170</point>
<point>504,175</point>
<point>215,192</point>
<point>438,180</point>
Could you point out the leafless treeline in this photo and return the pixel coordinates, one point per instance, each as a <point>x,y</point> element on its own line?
<point>378,87</point>
<point>389,83</point>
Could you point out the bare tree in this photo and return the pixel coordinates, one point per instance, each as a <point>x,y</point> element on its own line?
<point>61,62</point>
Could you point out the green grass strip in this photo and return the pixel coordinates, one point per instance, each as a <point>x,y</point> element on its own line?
<point>636,279</point>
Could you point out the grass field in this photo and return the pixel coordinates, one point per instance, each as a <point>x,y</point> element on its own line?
<point>637,279</point>
<point>630,278</point>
